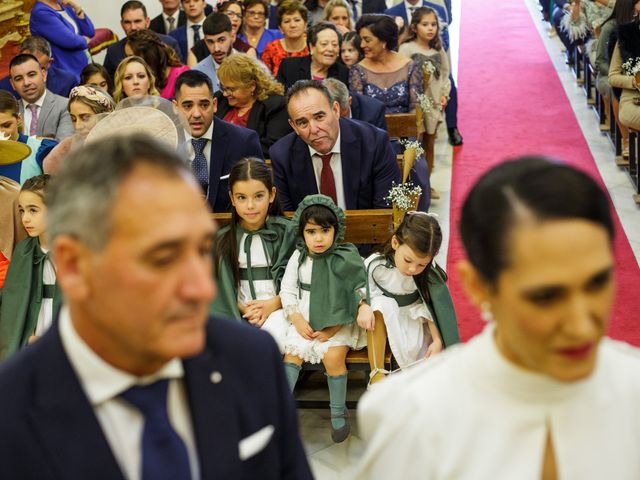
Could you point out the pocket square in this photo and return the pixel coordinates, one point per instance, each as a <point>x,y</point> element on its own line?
<point>255,443</point>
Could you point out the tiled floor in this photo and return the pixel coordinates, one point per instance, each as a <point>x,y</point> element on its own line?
<point>331,461</point>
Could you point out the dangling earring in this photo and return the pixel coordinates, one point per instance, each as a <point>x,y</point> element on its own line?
<point>485,312</point>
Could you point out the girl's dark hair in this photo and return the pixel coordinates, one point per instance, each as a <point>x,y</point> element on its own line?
<point>422,233</point>
<point>383,27</point>
<point>37,184</point>
<point>525,187</point>
<point>226,248</point>
<point>93,68</point>
<point>159,56</point>
<point>416,18</point>
<point>8,103</point>
<point>320,215</point>
<point>623,11</point>
<point>354,39</point>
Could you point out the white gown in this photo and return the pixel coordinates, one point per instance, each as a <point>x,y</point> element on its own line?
<point>407,329</point>
<point>276,323</point>
<point>311,351</point>
<point>45,315</point>
<point>471,414</point>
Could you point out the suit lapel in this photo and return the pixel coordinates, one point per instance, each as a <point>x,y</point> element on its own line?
<point>215,426</point>
<point>305,68</point>
<point>219,147</point>
<point>350,159</point>
<point>64,419</point>
<point>303,178</point>
<point>45,111</point>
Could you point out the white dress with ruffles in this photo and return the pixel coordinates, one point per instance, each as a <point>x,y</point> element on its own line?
<point>311,351</point>
<point>276,323</point>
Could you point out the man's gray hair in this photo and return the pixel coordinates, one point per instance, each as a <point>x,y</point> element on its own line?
<point>339,91</point>
<point>36,44</point>
<point>83,192</point>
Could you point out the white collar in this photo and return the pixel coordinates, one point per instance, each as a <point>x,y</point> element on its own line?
<point>100,380</point>
<point>335,149</point>
<point>38,102</point>
<point>209,133</point>
<point>190,23</point>
<point>175,15</point>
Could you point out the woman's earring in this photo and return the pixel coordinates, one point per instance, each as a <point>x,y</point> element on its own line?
<point>485,312</point>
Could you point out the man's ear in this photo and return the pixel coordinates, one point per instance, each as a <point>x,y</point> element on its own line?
<point>214,104</point>
<point>73,263</point>
<point>473,283</point>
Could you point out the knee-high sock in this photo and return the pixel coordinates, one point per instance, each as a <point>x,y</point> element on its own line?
<point>337,399</point>
<point>376,345</point>
<point>292,371</point>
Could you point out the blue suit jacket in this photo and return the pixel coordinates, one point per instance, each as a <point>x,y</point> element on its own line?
<point>115,52</point>
<point>229,144</point>
<point>59,82</point>
<point>444,13</point>
<point>368,167</point>
<point>367,109</point>
<point>49,429</point>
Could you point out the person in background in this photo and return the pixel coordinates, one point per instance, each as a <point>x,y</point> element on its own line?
<point>44,114</point>
<point>250,97</point>
<point>68,29</point>
<point>356,106</point>
<point>218,38</point>
<point>254,31</point>
<point>292,21</point>
<point>172,17</point>
<point>191,33</point>
<point>234,9</point>
<point>96,75</point>
<point>350,50</point>
<point>134,78</point>
<point>339,13</point>
<point>133,17</point>
<point>316,10</point>
<point>322,62</point>
<point>58,81</point>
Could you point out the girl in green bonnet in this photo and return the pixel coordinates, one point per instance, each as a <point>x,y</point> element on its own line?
<point>322,291</point>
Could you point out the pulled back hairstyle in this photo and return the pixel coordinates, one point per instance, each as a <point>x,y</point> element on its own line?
<point>95,68</point>
<point>420,232</point>
<point>159,56</point>
<point>320,215</point>
<point>353,39</point>
<point>416,18</point>
<point>331,4</point>
<point>118,92</point>
<point>525,188</point>
<point>37,185</point>
<point>226,247</point>
<point>383,27</point>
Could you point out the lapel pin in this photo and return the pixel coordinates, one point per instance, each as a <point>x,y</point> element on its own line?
<point>216,377</point>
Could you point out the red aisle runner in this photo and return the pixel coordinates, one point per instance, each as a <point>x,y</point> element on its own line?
<point>513,103</point>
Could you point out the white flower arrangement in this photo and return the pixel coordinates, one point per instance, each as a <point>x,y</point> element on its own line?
<point>409,144</point>
<point>427,104</point>
<point>631,67</point>
<point>403,196</point>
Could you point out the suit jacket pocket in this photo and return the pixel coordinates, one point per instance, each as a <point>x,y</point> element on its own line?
<point>255,443</point>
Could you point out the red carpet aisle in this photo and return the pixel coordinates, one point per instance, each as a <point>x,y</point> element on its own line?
<point>512,103</point>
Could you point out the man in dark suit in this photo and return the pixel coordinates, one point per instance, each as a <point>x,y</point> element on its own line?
<point>216,145</point>
<point>356,106</point>
<point>191,32</point>
<point>170,18</point>
<point>357,171</point>
<point>59,81</point>
<point>443,9</point>
<point>133,380</point>
<point>43,113</point>
<point>133,17</point>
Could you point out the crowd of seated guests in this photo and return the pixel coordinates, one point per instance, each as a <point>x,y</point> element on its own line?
<point>310,94</point>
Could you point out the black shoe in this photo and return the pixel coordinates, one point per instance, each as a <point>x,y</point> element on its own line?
<point>339,435</point>
<point>455,138</point>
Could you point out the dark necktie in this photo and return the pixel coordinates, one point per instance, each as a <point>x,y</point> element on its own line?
<point>164,454</point>
<point>199,163</point>
<point>172,24</point>
<point>327,182</point>
<point>412,10</point>
<point>196,33</point>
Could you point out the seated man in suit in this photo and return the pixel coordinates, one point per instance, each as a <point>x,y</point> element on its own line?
<point>59,81</point>
<point>217,145</point>
<point>190,33</point>
<point>44,114</point>
<point>356,106</point>
<point>133,17</point>
<point>133,380</point>
<point>348,160</point>
<point>218,38</point>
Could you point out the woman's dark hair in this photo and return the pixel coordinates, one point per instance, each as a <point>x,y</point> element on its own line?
<point>250,3</point>
<point>422,233</point>
<point>226,247</point>
<point>8,103</point>
<point>623,11</point>
<point>528,186</point>
<point>320,215</point>
<point>147,45</point>
<point>289,7</point>
<point>354,39</point>
<point>383,27</point>
<point>93,68</point>
<point>37,185</point>
<point>314,30</point>
<point>416,18</point>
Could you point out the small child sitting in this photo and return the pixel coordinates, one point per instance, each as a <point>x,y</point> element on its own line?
<point>30,295</point>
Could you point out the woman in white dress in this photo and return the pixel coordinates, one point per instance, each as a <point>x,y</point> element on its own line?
<point>540,393</point>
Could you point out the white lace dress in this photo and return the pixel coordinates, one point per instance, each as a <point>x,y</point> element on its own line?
<point>276,324</point>
<point>407,328</point>
<point>311,351</point>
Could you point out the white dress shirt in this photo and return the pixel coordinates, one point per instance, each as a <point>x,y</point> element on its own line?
<point>26,112</point>
<point>336,168</point>
<point>167,25</point>
<point>190,32</point>
<point>409,8</point>
<point>122,423</point>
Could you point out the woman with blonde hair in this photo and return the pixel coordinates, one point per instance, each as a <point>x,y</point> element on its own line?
<point>338,12</point>
<point>250,97</point>
<point>133,78</point>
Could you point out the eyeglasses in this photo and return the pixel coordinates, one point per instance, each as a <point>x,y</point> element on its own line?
<point>228,90</point>
<point>233,14</point>
<point>255,13</point>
